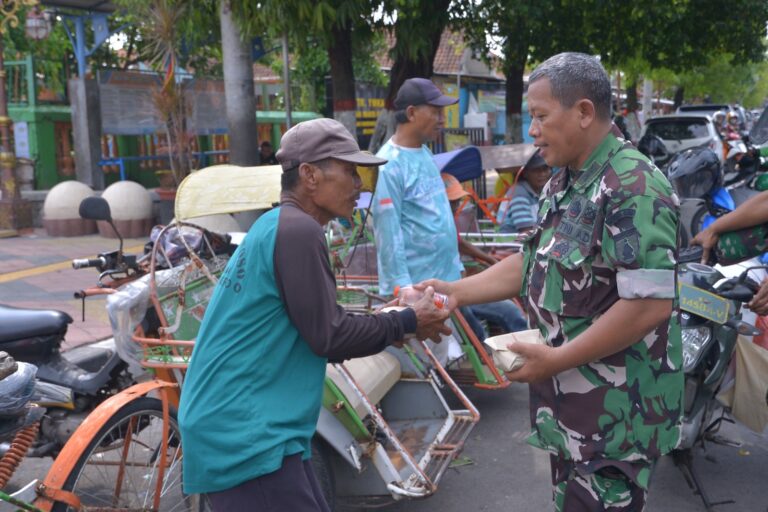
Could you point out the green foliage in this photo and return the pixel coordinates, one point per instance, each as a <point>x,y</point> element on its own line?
<point>680,36</point>
<point>54,57</point>
<point>721,79</point>
<point>194,36</point>
<point>310,67</point>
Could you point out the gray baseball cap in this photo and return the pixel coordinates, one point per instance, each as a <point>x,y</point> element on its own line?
<point>420,91</point>
<point>319,139</point>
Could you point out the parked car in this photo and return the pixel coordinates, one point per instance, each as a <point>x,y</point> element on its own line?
<point>679,132</point>
<point>711,108</point>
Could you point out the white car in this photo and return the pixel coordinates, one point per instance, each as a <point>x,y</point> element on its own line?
<point>683,131</point>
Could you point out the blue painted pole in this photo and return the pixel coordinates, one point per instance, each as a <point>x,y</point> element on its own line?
<point>80,46</point>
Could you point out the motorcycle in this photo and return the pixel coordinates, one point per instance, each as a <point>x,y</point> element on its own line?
<point>697,176</point>
<point>711,321</point>
<point>70,384</point>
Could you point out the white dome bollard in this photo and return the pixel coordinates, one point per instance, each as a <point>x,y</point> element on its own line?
<point>131,207</point>
<point>61,215</point>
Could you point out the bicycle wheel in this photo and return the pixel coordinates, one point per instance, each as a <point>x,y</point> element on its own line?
<point>119,468</point>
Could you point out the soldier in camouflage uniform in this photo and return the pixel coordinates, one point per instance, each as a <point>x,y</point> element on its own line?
<point>598,279</point>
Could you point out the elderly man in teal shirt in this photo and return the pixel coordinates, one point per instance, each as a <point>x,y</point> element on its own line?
<point>252,394</point>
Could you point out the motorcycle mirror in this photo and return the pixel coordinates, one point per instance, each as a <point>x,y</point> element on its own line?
<point>95,208</point>
<point>744,276</point>
<point>739,293</point>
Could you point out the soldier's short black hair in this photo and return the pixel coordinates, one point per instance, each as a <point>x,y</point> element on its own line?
<point>574,76</point>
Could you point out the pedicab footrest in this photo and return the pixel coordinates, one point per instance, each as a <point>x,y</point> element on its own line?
<point>443,453</point>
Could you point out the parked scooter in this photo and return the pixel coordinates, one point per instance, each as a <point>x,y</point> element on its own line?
<point>70,384</point>
<point>698,179</point>
<point>711,322</point>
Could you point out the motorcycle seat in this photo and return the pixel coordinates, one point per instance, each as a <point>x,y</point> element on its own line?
<point>20,323</point>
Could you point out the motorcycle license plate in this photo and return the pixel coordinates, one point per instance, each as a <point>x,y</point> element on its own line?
<point>704,304</point>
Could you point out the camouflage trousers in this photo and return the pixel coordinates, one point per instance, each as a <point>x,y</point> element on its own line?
<point>605,490</point>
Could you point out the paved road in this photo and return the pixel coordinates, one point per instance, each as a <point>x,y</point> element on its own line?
<point>36,272</point>
<point>508,475</point>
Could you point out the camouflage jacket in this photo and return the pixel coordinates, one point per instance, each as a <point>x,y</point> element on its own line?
<point>607,231</point>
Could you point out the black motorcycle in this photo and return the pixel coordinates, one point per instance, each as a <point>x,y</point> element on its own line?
<point>711,323</point>
<point>70,384</point>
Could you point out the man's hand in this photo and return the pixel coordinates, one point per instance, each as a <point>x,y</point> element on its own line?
<point>430,320</point>
<point>541,362</point>
<point>707,239</point>
<point>443,287</point>
<point>759,303</point>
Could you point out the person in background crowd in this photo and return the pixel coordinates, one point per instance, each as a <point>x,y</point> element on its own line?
<point>503,314</point>
<point>519,212</point>
<point>266,154</point>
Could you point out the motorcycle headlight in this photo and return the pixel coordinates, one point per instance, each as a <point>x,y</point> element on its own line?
<point>694,339</point>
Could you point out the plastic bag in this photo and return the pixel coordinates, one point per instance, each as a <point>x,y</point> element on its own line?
<point>747,397</point>
<point>504,358</point>
<point>126,308</point>
<point>201,241</point>
<point>16,389</point>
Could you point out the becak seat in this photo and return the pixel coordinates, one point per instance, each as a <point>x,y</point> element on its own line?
<point>375,375</point>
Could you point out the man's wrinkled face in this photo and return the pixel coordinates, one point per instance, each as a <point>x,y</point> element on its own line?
<point>427,120</point>
<point>555,129</point>
<point>337,188</point>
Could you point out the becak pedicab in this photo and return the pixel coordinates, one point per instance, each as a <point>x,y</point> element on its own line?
<point>356,256</point>
<point>384,432</point>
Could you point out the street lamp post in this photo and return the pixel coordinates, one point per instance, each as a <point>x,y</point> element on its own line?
<point>14,213</point>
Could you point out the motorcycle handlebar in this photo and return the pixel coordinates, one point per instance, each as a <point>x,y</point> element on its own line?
<point>86,263</point>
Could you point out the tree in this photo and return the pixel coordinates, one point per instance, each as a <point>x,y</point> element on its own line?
<point>635,36</point>
<point>417,29</point>
<point>238,90</point>
<point>333,24</point>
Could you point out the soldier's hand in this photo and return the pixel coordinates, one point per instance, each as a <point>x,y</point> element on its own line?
<point>439,286</point>
<point>430,320</point>
<point>540,362</point>
<point>759,303</point>
<point>707,239</point>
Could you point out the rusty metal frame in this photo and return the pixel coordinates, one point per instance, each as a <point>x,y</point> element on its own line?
<point>50,490</point>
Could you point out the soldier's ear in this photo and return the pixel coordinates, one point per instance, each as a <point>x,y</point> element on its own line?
<point>586,110</point>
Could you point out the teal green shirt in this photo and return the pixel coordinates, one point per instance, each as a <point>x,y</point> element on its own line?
<point>252,392</point>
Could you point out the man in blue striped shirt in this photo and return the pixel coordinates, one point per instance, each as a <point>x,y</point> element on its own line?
<point>519,213</point>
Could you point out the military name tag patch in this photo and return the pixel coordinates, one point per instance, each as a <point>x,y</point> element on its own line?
<point>703,303</point>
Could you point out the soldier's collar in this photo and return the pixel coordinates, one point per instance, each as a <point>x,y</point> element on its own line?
<point>596,163</point>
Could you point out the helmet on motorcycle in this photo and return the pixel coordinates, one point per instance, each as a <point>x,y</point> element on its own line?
<point>652,146</point>
<point>732,118</point>
<point>694,172</point>
<point>718,117</point>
